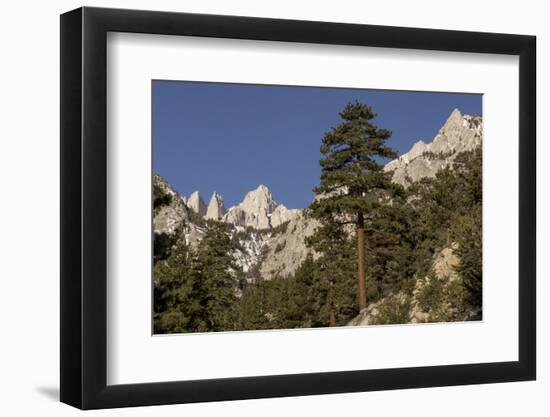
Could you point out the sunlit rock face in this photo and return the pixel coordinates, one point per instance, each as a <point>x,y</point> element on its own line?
<point>170,217</point>
<point>259,210</point>
<point>458,134</point>
<point>216,208</point>
<point>282,215</point>
<point>196,203</point>
<point>287,249</point>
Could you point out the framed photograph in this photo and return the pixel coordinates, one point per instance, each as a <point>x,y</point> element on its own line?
<point>257,208</point>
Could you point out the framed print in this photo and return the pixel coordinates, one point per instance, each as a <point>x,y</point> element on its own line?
<point>257,207</point>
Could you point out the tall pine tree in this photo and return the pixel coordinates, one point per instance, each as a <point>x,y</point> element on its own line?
<point>352,181</point>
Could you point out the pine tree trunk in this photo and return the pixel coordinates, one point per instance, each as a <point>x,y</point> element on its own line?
<point>361,262</point>
<point>332,318</point>
<point>332,315</point>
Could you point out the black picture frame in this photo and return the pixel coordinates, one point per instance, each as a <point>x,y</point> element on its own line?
<point>84,207</point>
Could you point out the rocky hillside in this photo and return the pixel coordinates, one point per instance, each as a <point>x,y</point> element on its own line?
<point>171,214</point>
<point>436,297</point>
<point>259,210</point>
<point>439,294</point>
<point>287,250</point>
<point>271,237</point>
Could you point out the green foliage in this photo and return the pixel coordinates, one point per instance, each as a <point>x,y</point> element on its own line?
<point>334,288</point>
<point>394,310</point>
<point>176,294</point>
<point>466,232</point>
<point>254,273</point>
<point>442,298</point>
<point>351,172</point>
<point>196,219</point>
<point>197,292</point>
<point>299,310</point>
<point>162,245</point>
<point>447,209</point>
<point>353,185</point>
<point>430,293</point>
<point>390,255</point>
<point>215,270</point>
<point>160,198</point>
<point>314,296</point>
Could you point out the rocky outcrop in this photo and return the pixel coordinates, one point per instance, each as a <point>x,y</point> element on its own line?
<point>258,201</point>
<point>458,134</point>
<point>259,210</point>
<point>196,203</point>
<point>287,249</point>
<point>436,297</point>
<point>251,252</point>
<point>282,215</point>
<point>396,306</point>
<point>255,209</point>
<point>216,209</point>
<point>235,216</point>
<point>271,237</point>
<point>170,216</point>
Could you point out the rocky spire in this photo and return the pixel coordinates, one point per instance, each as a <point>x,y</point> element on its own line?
<point>258,210</point>
<point>259,200</point>
<point>450,134</point>
<point>216,209</point>
<point>195,203</point>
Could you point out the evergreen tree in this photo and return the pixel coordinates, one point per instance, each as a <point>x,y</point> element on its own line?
<point>162,245</point>
<point>216,273</point>
<point>353,182</point>
<point>176,294</point>
<point>253,314</point>
<point>466,232</point>
<point>197,291</point>
<point>299,310</point>
<point>389,249</point>
<point>160,198</point>
<point>333,291</point>
<point>467,226</point>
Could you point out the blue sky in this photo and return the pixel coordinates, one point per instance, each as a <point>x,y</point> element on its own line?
<point>230,138</point>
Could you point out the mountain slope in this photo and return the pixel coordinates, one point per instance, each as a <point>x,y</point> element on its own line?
<point>458,134</point>
<point>169,212</point>
<point>435,298</point>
